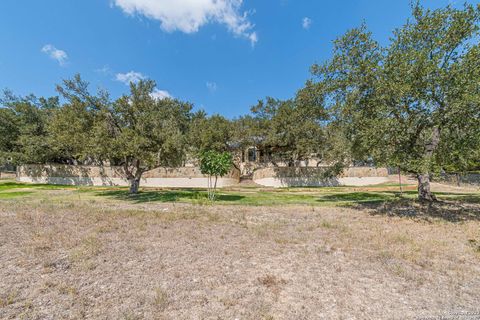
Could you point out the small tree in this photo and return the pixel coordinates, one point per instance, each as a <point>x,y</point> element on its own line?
<point>215,164</point>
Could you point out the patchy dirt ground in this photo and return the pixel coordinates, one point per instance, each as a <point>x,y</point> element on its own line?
<point>84,259</point>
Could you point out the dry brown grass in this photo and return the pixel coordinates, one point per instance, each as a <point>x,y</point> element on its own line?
<point>74,259</point>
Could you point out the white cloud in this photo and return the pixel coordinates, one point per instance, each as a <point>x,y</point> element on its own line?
<point>306,23</point>
<point>59,55</point>
<point>135,77</point>
<point>160,94</point>
<point>211,86</point>
<point>105,70</point>
<point>253,38</point>
<point>128,77</point>
<point>189,15</point>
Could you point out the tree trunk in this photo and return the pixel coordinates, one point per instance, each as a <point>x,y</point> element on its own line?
<point>215,187</point>
<point>424,192</point>
<point>400,180</point>
<point>134,173</point>
<point>209,189</point>
<point>134,185</point>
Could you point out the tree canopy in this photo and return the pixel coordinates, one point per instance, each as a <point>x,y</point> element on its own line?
<point>136,131</point>
<point>210,133</point>
<point>291,130</point>
<point>24,128</point>
<point>414,103</point>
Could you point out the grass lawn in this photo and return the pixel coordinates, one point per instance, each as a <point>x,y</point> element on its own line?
<point>257,253</point>
<point>317,196</point>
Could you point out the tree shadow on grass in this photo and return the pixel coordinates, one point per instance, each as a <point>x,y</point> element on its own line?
<point>167,196</point>
<point>452,208</point>
<point>356,197</point>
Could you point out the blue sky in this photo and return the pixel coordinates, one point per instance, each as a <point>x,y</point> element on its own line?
<point>222,56</point>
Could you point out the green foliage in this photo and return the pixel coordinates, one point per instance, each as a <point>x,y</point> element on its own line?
<point>23,130</point>
<point>71,131</point>
<point>247,131</point>
<point>136,131</point>
<point>291,130</point>
<point>149,130</point>
<point>346,83</point>
<point>209,133</point>
<point>415,103</point>
<point>215,164</point>
<point>9,133</point>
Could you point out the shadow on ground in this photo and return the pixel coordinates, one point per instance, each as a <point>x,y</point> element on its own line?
<point>167,196</point>
<point>451,207</point>
<point>458,208</point>
<point>357,197</point>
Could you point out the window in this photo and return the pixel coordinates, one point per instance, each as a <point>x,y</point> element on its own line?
<point>252,154</point>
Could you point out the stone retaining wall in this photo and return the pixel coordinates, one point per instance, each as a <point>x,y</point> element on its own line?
<point>184,177</point>
<point>315,177</point>
<point>467,179</point>
<point>8,175</point>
